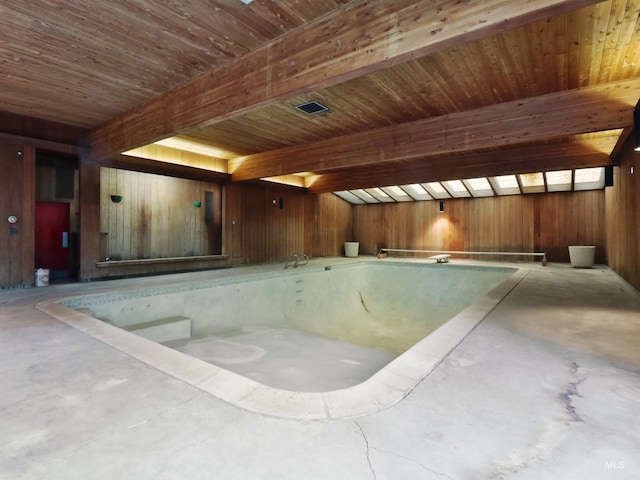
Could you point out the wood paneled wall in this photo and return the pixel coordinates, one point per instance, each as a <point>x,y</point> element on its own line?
<point>156,218</point>
<point>265,223</point>
<point>519,223</point>
<point>329,223</point>
<point>17,163</point>
<point>623,218</point>
<point>564,219</point>
<point>262,223</point>
<point>17,195</point>
<point>258,230</point>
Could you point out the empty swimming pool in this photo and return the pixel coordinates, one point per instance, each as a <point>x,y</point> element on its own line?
<point>311,338</point>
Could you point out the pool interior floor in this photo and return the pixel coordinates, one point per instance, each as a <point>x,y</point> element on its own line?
<point>288,359</point>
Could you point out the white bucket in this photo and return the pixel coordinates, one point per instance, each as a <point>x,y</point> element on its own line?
<point>351,249</point>
<point>42,277</point>
<point>582,256</point>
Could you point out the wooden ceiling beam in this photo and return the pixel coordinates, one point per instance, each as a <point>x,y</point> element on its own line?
<point>543,158</point>
<point>157,167</point>
<point>359,38</point>
<point>586,110</point>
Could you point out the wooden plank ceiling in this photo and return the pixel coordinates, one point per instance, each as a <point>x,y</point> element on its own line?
<point>417,90</point>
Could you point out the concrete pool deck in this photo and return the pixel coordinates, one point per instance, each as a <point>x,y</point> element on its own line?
<point>547,386</point>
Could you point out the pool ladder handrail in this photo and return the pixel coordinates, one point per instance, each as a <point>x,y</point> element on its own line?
<point>296,259</point>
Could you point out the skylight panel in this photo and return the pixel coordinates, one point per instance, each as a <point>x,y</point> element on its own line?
<point>379,194</point>
<point>397,193</point>
<point>417,189</point>
<point>457,188</point>
<point>479,187</point>
<point>559,178</point>
<point>350,197</point>
<point>555,181</point>
<point>588,175</point>
<point>505,185</point>
<point>478,183</point>
<point>531,179</point>
<point>589,178</point>
<point>417,192</point>
<point>436,187</point>
<point>365,196</point>
<point>559,181</point>
<point>436,190</point>
<point>507,181</point>
<point>532,182</point>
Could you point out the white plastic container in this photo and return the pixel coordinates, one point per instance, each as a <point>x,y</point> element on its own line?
<point>42,277</point>
<point>351,249</point>
<point>582,256</point>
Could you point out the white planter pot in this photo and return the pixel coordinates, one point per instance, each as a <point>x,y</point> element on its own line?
<point>351,249</point>
<point>582,256</point>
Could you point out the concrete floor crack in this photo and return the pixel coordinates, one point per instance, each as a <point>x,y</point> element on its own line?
<point>366,441</point>
<point>572,391</point>
<point>413,460</point>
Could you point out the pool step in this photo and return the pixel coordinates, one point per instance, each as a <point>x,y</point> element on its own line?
<point>163,330</point>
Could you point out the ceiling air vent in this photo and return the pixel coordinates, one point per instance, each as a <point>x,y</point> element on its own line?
<point>312,107</point>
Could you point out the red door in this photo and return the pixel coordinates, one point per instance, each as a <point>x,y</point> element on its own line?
<point>52,235</point>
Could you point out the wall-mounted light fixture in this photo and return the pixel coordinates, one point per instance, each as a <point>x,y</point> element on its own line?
<point>116,198</point>
<point>441,206</point>
<point>636,127</point>
<point>197,204</point>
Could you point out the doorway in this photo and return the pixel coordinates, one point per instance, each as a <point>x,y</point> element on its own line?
<point>52,238</point>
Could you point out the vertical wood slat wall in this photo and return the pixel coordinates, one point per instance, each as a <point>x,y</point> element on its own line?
<point>259,231</point>
<point>506,224</point>
<point>17,163</point>
<point>328,224</point>
<point>156,218</point>
<point>623,218</point>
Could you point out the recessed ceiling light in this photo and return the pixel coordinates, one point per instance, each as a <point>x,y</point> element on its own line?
<point>246,2</point>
